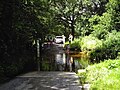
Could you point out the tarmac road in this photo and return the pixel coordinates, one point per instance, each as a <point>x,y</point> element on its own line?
<point>44,81</point>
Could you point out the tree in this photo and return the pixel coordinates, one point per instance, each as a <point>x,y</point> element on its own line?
<point>109,20</point>
<point>22,22</point>
<point>67,12</point>
<point>74,14</point>
<point>92,8</point>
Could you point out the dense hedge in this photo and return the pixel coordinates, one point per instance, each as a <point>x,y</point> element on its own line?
<point>17,64</point>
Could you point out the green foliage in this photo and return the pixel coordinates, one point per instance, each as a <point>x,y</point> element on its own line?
<point>76,43</point>
<point>67,13</point>
<point>113,41</point>
<point>83,62</point>
<point>94,20</point>
<point>103,27</point>
<point>109,49</point>
<point>90,43</point>
<point>82,76</point>
<point>104,76</point>
<point>108,22</point>
<point>92,10</point>
<point>22,22</point>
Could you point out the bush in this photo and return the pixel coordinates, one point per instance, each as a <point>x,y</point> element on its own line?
<point>89,43</point>
<point>14,66</point>
<point>113,40</point>
<point>104,76</point>
<point>82,76</point>
<point>102,54</point>
<point>76,44</point>
<point>109,49</point>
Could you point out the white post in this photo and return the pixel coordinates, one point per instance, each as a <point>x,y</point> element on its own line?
<point>38,49</point>
<point>38,54</point>
<point>63,40</point>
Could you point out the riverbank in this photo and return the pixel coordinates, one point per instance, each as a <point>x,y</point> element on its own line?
<point>103,76</point>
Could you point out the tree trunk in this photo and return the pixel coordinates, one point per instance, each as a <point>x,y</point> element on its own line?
<point>72,26</point>
<point>73,30</point>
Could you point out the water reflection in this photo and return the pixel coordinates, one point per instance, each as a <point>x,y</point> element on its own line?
<point>61,62</point>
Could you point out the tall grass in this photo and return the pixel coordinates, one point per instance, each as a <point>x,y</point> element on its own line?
<point>104,76</point>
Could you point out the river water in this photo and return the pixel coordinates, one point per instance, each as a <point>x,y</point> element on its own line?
<point>54,58</point>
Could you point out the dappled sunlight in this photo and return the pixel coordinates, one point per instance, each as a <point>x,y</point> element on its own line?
<point>89,43</point>
<point>52,39</point>
<point>45,81</point>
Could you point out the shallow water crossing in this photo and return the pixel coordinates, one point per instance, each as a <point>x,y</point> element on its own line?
<point>55,72</point>
<point>54,58</point>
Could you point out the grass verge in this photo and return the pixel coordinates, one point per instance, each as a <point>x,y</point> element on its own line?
<point>103,76</point>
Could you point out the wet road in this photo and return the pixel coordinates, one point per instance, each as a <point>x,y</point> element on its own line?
<point>51,78</point>
<point>54,58</point>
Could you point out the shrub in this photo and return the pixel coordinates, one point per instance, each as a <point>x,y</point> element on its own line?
<point>89,43</point>
<point>104,76</point>
<point>109,49</point>
<point>82,76</point>
<point>113,40</point>
<point>76,44</point>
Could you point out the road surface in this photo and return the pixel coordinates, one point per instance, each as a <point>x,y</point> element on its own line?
<point>44,81</point>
